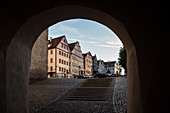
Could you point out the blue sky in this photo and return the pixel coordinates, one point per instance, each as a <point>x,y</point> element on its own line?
<point>92,36</point>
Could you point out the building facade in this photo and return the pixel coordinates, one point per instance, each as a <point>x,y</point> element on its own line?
<point>110,67</point>
<point>118,69</point>
<point>95,65</point>
<point>76,63</point>
<point>101,68</point>
<point>58,58</point>
<point>87,63</point>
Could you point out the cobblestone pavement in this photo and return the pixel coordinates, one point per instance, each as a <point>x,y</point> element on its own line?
<point>120,95</point>
<point>47,91</point>
<point>93,101</point>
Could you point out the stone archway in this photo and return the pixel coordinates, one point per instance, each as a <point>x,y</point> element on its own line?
<point>18,60</point>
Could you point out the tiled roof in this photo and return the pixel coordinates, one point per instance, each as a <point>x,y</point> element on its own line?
<point>93,57</point>
<point>54,42</point>
<point>72,45</point>
<point>110,63</point>
<point>85,54</point>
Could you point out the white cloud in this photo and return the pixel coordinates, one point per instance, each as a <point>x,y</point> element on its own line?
<point>89,42</point>
<point>67,29</point>
<point>104,45</point>
<point>73,39</point>
<point>74,20</point>
<point>61,28</point>
<point>114,42</point>
<point>93,38</point>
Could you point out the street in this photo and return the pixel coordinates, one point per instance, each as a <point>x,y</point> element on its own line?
<point>106,95</point>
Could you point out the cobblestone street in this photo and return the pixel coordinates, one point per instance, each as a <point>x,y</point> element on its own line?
<point>107,95</point>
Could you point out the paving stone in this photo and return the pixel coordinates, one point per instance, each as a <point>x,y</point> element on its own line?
<point>70,97</point>
<point>44,92</point>
<point>120,95</point>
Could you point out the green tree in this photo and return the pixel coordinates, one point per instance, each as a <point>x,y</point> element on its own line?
<point>123,58</point>
<point>108,71</point>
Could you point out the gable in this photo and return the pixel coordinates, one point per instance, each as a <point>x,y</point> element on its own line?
<point>77,50</point>
<point>54,42</point>
<point>64,44</point>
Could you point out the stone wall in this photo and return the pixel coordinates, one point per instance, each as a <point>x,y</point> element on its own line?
<point>39,58</point>
<point>144,31</point>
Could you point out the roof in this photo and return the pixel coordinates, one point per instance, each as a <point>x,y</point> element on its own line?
<point>84,54</point>
<point>110,63</point>
<point>54,42</point>
<point>72,45</point>
<point>93,57</point>
<point>100,60</point>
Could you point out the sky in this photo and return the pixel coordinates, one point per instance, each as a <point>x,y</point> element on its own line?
<point>92,36</point>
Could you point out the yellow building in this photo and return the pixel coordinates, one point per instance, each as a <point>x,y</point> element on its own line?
<point>87,63</point>
<point>76,59</point>
<point>58,58</point>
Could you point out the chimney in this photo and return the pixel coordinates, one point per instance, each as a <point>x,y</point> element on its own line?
<point>50,39</point>
<point>77,42</point>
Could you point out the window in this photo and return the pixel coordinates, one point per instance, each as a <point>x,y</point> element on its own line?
<point>51,60</point>
<point>59,60</point>
<point>51,68</point>
<point>67,55</point>
<point>59,52</point>
<point>62,45</point>
<point>51,51</point>
<point>62,70</point>
<point>67,62</point>
<point>62,53</point>
<point>64,40</point>
<point>59,68</point>
<point>62,61</point>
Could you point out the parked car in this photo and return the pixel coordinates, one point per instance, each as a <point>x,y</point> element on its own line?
<point>100,75</point>
<point>108,75</point>
<point>85,76</point>
<point>90,76</point>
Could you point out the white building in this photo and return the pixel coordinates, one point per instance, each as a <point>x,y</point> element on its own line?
<point>58,57</point>
<point>101,68</point>
<point>110,65</point>
<point>122,72</point>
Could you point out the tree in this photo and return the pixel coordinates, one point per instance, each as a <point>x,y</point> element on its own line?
<point>123,58</point>
<point>108,71</point>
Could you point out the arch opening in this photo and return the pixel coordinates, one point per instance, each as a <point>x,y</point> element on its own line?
<point>27,34</point>
<point>83,36</point>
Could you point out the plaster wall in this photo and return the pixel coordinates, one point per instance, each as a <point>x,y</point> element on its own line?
<point>53,56</point>
<point>64,58</point>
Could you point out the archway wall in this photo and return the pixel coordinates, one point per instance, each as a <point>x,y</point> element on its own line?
<point>39,58</point>
<point>147,25</point>
<point>28,33</point>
